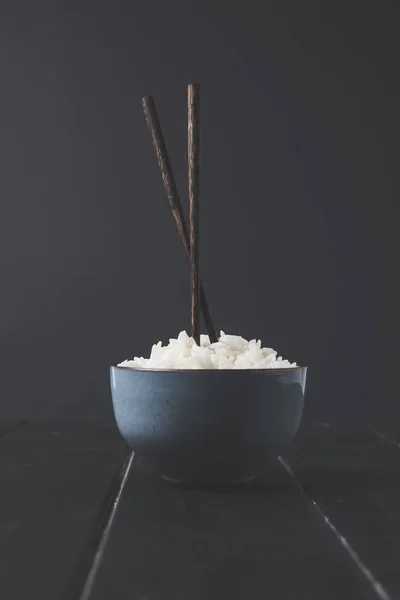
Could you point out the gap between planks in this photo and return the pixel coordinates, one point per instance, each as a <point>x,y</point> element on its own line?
<point>106,530</point>
<point>376,585</point>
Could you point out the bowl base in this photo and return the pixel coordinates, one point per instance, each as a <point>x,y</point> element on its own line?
<point>174,481</point>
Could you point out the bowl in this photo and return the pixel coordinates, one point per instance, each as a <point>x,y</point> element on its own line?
<point>208,426</point>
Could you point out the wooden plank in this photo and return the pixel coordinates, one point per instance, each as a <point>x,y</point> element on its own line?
<point>54,480</point>
<point>354,477</point>
<point>255,541</point>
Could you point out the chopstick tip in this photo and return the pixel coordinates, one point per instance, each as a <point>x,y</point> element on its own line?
<point>146,100</point>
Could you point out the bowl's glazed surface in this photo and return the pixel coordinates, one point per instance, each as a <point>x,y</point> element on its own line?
<point>208,426</point>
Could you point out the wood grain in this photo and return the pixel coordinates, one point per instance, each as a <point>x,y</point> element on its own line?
<point>171,191</point>
<point>194,189</point>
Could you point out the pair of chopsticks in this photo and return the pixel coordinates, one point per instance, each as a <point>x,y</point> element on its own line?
<point>189,238</point>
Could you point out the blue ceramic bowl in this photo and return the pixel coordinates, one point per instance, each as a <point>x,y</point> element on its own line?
<point>208,426</point>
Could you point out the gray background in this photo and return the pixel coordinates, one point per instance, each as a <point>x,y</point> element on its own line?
<point>300,108</point>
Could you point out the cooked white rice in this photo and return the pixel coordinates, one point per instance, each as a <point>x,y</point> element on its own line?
<point>230,352</point>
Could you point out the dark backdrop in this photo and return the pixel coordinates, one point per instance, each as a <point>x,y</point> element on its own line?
<point>300,108</point>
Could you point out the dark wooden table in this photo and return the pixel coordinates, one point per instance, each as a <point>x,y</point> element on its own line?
<point>80,519</point>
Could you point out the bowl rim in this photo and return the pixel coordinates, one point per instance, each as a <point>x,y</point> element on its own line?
<point>270,371</point>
